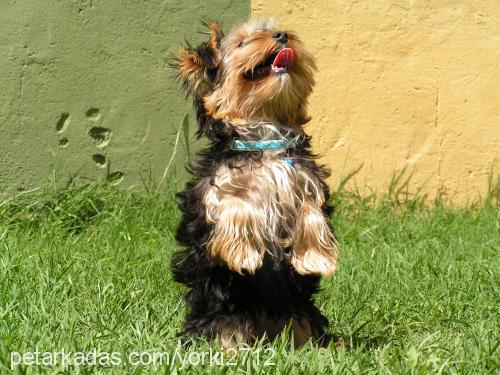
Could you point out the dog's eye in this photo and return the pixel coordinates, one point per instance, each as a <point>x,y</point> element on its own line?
<point>243,43</point>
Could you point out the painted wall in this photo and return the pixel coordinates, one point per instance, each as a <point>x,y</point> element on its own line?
<point>409,85</point>
<point>86,89</point>
<point>403,84</point>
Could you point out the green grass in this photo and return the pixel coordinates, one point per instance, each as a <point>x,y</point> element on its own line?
<point>88,268</point>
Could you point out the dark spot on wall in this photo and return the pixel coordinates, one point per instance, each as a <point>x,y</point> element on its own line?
<point>93,113</point>
<point>99,159</point>
<point>100,136</point>
<point>62,123</point>
<point>63,142</point>
<point>115,177</point>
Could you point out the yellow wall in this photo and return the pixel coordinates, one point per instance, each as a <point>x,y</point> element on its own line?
<point>412,84</point>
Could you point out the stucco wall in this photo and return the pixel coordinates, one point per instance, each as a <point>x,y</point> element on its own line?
<point>85,86</point>
<point>403,84</point>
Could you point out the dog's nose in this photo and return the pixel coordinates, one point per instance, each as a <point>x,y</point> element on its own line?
<point>280,36</point>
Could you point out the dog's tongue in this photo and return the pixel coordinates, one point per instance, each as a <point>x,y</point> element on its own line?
<point>284,58</point>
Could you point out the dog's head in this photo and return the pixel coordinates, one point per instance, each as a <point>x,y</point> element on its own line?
<point>258,72</point>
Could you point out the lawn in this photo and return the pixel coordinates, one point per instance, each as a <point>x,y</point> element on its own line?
<point>86,270</point>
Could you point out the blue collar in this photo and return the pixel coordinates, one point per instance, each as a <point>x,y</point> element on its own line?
<point>271,144</point>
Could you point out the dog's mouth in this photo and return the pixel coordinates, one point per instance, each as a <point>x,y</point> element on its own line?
<point>276,63</point>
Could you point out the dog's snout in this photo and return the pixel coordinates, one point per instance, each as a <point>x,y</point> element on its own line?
<point>280,36</point>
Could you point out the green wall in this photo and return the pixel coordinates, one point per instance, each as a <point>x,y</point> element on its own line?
<point>86,89</point>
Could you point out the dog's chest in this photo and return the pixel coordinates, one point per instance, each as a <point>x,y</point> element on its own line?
<point>272,183</point>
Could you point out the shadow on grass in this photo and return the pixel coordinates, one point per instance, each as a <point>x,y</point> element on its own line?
<point>353,342</point>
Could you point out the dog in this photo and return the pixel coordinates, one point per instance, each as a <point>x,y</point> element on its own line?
<point>256,215</point>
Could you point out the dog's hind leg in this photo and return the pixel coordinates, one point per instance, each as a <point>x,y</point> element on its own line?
<point>228,333</point>
<point>229,329</point>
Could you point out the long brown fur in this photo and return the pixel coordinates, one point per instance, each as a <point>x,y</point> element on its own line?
<point>255,213</point>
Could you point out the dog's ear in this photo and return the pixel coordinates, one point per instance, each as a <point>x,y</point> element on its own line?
<point>197,68</point>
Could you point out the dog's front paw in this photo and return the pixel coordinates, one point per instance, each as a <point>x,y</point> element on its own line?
<point>237,237</point>
<point>244,258</point>
<point>315,249</point>
<point>321,262</point>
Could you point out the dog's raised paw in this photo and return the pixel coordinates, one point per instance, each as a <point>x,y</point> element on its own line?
<point>245,259</point>
<point>315,250</point>
<point>315,262</point>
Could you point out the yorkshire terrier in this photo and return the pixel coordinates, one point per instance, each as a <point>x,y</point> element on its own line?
<point>256,218</point>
